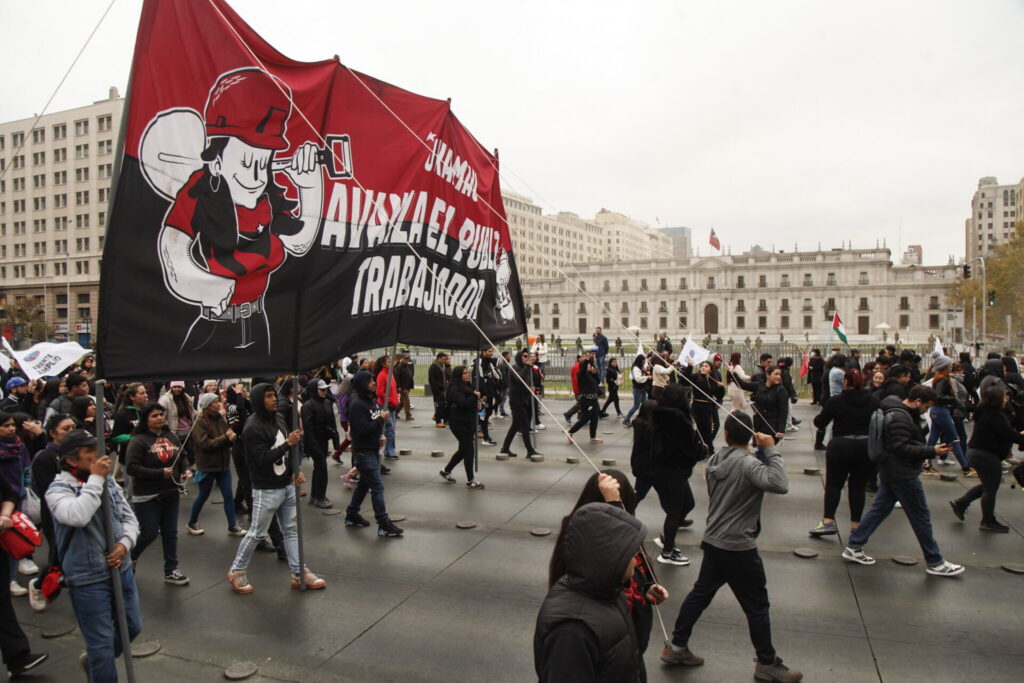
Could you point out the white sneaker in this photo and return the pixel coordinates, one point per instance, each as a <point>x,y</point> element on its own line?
<point>858,556</point>
<point>27,567</point>
<point>540,426</point>
<point>17,590</point>
<point>657,542</point>
<point>947,568</point>
<point>36,599</point>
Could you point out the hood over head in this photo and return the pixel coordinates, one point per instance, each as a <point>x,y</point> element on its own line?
<point>599,543</point>
<point>361,384</point>
<point>994,366</point>
<point>257,395</point>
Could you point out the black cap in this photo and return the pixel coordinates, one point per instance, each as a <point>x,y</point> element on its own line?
<point>74,440</point>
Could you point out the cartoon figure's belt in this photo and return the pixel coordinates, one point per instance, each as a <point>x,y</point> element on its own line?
<point>236,312</point>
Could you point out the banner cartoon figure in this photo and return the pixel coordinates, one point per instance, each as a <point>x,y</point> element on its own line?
<point>243,240</point>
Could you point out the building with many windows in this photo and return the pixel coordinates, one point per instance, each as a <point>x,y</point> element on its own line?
<point>993,216</point>
<point>55,176</point>
<point>764,294</point>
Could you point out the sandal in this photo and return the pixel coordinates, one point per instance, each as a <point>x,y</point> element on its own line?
<point>475,485</point>
<point>447,477</point>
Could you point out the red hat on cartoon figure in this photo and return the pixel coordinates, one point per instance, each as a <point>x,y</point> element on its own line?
<point>251,105</point>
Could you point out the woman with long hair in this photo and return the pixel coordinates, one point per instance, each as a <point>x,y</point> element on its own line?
<point>45,468</point>
<point>771,405</point>
<point>612,378</point>
<point>14,460</point>
<point>50,391</point>
<point>640,375</point>
<point>588,397</point>
<point>83,412</point>
<point>704,408</point>
<point>661,375</point>
<point>641,458</point>
<point>213,440</point>
<point>463,405</point>
<point>734,374</point>
<point>612,487</point>
<point>158,470</point>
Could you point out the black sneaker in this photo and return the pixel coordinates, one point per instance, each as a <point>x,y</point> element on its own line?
<point>388,528</point>
<point>28,662</point>
<point>384,469</point>
<point>176,578</point>
<point>994,526</point>
<point>776,672</point>
<point>265,546</point>
<point>958,510</point>
<point>355,519</point>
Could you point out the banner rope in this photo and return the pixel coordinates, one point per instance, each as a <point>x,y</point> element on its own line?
<point>46,106</point>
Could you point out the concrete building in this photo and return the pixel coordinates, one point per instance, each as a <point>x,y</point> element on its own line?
<point>993,216</point>
<point>682,241</point>
<point>749,295</point>
<point>913,256</point>
<point>54,185</point>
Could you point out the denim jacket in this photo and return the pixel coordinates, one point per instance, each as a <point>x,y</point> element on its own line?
<point>76,510</point>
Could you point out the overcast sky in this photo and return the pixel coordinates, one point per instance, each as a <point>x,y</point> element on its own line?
<point>775,122</point>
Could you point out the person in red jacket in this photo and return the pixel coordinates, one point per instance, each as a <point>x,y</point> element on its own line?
<point>574,375</point>
<point>387,385</point>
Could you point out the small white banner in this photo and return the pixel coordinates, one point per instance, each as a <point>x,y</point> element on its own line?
<point>46,358</point>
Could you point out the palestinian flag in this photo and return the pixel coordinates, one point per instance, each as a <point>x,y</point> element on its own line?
<point>837,327</point>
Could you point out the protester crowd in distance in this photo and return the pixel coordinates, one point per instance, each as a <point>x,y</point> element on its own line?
<point>883,424</point>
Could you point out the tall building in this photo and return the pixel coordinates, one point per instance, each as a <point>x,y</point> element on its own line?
<point>913,256</point>
<point>682,241</point>
<point>993,217</point>
<point>54,185</point>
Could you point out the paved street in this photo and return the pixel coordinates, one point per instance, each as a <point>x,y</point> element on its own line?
<point>444,604</point>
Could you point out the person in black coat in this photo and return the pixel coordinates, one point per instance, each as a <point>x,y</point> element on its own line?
<point>815,373</point>
<point>317,430</point>
<point>970,377</point>
<point>847,457</point>
<point>520,398</point>
<point>463,407</point>
<point>771,405</point>
<point>989,445</point>
<point>439,376</point>
<point>589,385</point>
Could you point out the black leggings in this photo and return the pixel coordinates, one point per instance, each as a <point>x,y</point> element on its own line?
<point>704,413</point>
<point>613,398</point>
<point>464,454</point>
<point>588,414</point>
<point>847,458</point>
<point>520,425</point>
<point>990,471</point>
<point>673,487</point>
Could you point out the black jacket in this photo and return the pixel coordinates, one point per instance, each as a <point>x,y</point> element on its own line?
<point>364,421</point>
<point>993,433</point>
<point>462,405</point>
<point>588,381</point>
<point>148,455</point>
<point>405,374</point>
<point>772,409</point>
<point>439,377</point>
<point>267,454</point>
<point>892,387</point>
<point>520,391</point>
<point>815,369</point>
<point>317,425</point>
<point>849,412</point>
<point>676,444</point>
<point>584,631</point>
<point>904,441</point>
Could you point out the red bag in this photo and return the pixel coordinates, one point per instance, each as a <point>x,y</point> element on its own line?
<point>22,538</point>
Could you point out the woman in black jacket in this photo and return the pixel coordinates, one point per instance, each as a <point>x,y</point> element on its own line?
<point>642,455</point>
<point>613,378</point>
<point>815,373</point>
<point>589,383</point>
<point>989,446</point>
<point>463,406</point>
<point>520,398</point>
<point>771,405</point>
<point>705,407</point>
<point>847,455</point>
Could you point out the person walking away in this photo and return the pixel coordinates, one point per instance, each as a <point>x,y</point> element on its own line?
<point>676,449</point>
<point>989,446</point>
<point>613,378</point>
<point>899,480</point>
<point>367,421</point>
<point>520,394</point>
<point>584,631</point>
<point>438,378</point>
<point>641,457</point>
<point>574,380</point>
<point>815,374</point>
<point>642,592</point>
<point>846,459</point>
<point>737,482</point>
<point>157,468</point>
<point>943,426</point>
<point>212,440</point>
<point>640,376</point>
<point>180,414</point>
<point>588,398</point>
<point>317,430</point>
<point>75,499</point>
<point>600,353</point>
<point>970,380</point>
<point>387,395</point>
<point>406,383</point>
<point>267,449</point>
<point>463,404</point>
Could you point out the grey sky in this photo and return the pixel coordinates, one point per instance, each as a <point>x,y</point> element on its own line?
<point>775,122</point>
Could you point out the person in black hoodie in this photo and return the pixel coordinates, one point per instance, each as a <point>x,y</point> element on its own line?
<point>463,404</point>
<point>317,431</point>
<point>589,385</point>
<point>989,445</point>
<point>366,421</point>
<point>771,405</point>
<point>815,373</point>
<point>970,377</point>
<point>847,457</point>
<point>520,395</point>
<point>676,449</point>
<point>641,458</point>
<point>237,411</point>
<point>584,631</point>
<point>267,446</point>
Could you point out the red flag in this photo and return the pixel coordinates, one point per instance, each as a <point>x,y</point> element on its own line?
<point>803,366</point>
<point>714,240</point>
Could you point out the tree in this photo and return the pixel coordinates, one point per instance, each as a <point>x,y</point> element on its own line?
<point>1006,279</point>
<point>29,317</point>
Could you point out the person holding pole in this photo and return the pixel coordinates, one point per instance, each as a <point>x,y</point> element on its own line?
<point>463,404</point>
<point>272,471</point>
<point>75,498</point>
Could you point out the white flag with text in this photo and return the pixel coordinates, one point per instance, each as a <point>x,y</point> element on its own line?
<point>46,358</point>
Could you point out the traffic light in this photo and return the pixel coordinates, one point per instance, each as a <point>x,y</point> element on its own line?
<point>991,297</point>
<point>967,271</point>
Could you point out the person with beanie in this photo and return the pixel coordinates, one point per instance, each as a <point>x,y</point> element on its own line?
<point>366,423</point>
<point>211,440</point>
<point>943,429</point>
<point>267,446</point>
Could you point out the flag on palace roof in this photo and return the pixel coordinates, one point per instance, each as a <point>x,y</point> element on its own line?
<point>714,240</point>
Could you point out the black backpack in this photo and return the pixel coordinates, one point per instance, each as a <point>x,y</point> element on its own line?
<point>876,436</point>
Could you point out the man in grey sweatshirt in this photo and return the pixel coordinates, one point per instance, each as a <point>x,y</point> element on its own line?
<point>737,481</point>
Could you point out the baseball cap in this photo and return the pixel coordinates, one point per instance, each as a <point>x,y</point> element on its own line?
<point>15,382</point>
<point>75,439</point>
<point>321,384</point>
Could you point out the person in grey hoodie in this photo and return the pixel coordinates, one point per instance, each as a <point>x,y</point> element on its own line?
<point>737,482</point>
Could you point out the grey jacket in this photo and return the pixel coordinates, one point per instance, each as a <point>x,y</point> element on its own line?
<point>736,484</point>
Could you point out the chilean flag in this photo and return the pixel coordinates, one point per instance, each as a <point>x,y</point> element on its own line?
<point>714,240</point>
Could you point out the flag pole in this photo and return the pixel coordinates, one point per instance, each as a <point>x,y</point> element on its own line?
<point>296,468</point>
<point>108,528</point>
<point>476,413</point>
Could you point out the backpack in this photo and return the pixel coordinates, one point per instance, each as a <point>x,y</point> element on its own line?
<point>876,440</point>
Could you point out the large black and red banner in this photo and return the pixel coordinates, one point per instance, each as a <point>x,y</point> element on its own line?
<point>272,215</point>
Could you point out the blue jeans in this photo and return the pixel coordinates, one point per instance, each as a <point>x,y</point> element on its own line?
<point>389,433</point>
<point>159,517</point>
<point>601,364</point>
<point>910,494</point>
<point>266,503</point>
<point>943,427</point>
<point>369,480</point>
<point>97,620</point>
<point>638,397</point>
<point>223,480</point>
